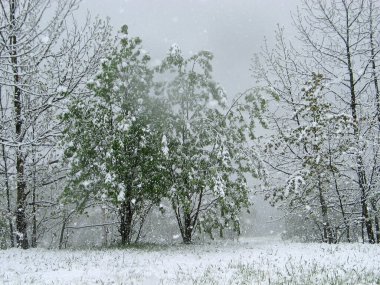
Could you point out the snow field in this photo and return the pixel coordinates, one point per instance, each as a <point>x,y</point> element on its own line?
<point>248,261</point>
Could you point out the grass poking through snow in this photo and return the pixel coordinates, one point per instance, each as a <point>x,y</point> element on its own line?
<point>249,261</point>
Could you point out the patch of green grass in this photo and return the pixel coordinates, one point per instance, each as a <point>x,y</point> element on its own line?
<point>147,247</point>
<point>297,274</point>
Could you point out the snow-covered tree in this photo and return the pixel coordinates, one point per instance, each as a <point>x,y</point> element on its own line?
<point>309,154</point>
<point>204,148</point>
<point>336,40</point>
<point>44,57</point>
<point>114,139</point>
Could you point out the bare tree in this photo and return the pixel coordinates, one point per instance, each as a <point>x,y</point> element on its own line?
<point>337,39</point>
<point>45,57</point>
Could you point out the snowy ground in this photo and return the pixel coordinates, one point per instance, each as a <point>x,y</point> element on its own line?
<point>248,261</point>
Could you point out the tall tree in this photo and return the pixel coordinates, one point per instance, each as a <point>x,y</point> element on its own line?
<point>204,148</point>
<point>309,154</point>
<point>337,40</point>
<point>44,57</point>
<point>115,137</point>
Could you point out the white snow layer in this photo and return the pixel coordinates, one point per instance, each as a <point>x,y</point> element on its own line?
<point>247,261</point>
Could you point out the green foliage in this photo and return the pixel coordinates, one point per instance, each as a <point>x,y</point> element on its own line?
<point>256,105</point>
<point>130,146</point>
<point>308,149</point>
<point>205,158</point>
<point>115,135</point>
<point>312,142</point>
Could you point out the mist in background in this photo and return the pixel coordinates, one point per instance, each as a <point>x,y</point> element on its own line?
<point>232,30</point>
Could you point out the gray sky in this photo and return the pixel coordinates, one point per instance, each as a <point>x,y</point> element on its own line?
<point>232,29</point>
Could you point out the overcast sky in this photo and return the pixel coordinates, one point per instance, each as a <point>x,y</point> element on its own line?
<point>232,29</point>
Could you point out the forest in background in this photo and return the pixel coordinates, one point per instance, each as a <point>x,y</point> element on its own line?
<point>92,131</point>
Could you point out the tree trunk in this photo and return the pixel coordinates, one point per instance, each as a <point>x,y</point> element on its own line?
<point>61,236</point>
<point>362,230</point>
<point>7,189</point>
<point>366,218</point>
<point>34,213</point>
<point>105,228</point>
<point>360,165</point>
<point>377,226</point>
<point>21,221</point>
<point>126,215</point>
<point>373,55</point>
<point>345,221</point>
<point>341,206</point>
<point>377,98</point>
<point>188,229</point>
<point>34,207</point>
<point>365,213</point>
<point>328,235</point>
